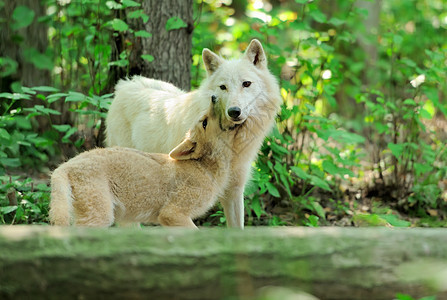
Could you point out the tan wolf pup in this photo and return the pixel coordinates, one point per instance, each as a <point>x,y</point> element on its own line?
<point>153,116</point>
<point>103,186</point>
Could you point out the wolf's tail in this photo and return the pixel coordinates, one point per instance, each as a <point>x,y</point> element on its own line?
<point>61,206</point>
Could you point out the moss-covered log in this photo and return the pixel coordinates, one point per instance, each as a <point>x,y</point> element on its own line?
<point>159,263</point>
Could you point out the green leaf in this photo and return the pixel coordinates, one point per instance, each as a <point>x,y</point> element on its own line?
<point>4,134</point>
<point>45,89</point>
<point>272,189</point>
<point>396,149</point>
<point>278,149</point>
<point>38,110</point>
<point>251,187</point>
<point>119,63</point>
<point>421,169</point>
<point>319,183</point>
<point>41,61</point>
<point>397,39</point>
<point>256,207</point>
<point>46,111</point>
<point>8,209</point>
<point>342,136</point>
<point>299,172</point>
<point>138,14</point>
<point>400,296</point>
<point>22,122</point>
<point>301,1</point>
<point>143,33</point>
<point>68,134</point>
<point>10,162</point>
<point>75,97</point>
<point>369,220</point>
<point>425,114</point>
<point>147,57</point>
<point>175,23</point>
<point>330,168</point>
<point>113,5</point>
<point>54,97</point>
<point>408,62</point>
<point>428,110</point>
<point>313,221</point>
<point>8,66</point>
<point>22,16</point>
<point>319,209</point>
<point>410,102</point>
<point>130,3</point>
<point>393,220</point>
<point>119,25</point>
<point>62,128</point>
<point>336,21</point>
<point>318,16</point>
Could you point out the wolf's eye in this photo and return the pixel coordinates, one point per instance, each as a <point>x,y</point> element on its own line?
<point>204,123</point>
<point>223,87</point>
<point>246,83</point>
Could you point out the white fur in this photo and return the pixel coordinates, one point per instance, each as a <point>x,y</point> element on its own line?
<point>153,116</point>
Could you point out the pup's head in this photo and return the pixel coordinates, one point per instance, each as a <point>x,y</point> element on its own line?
<point>237,84</point>
<point>205,138</point>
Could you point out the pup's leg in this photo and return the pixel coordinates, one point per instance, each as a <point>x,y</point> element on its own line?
<point>171,217</point>
<point>93,205</point>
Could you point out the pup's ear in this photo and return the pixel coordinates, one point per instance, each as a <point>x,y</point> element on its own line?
<point>211,61</point>
<point>255,54</point>
<point>184,151</point>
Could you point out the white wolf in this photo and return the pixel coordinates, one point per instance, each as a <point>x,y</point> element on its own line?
<point>153,116</point>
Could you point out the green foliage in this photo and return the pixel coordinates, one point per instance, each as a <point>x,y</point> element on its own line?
<point>23,201</point>
<point>361,103</point>
<point>175,23</point>
<point>22,17</point>
<point>314,151</point>
<point>401,296</point>
<point>21,146</point>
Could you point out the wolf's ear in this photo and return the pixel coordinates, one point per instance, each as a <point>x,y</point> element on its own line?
<point>211,61</point>
<point>184,151</point>
<point>255,54</point>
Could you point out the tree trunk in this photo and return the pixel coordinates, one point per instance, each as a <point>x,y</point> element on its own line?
<point>171,49</point>
<point>165,263</point>
<point>26,46</point>
<point>371,23</point>
<point>13,43</point>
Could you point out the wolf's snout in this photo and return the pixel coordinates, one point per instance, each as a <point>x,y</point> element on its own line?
<point>234,112</point>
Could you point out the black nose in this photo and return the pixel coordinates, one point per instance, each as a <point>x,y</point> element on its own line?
<point>213,99</point>
<point>234,112</point>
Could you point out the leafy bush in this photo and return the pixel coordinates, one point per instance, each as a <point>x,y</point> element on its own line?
<point>22,201</point>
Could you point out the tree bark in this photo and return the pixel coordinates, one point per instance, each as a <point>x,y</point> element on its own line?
<point>371,23</point>
<point>13,43</point>
<point>171,49</point>
<point>167,263</point>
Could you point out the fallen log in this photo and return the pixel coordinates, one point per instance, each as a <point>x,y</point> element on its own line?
<point>43,262</point>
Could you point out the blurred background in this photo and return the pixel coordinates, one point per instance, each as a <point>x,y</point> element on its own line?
<point>360,139</point>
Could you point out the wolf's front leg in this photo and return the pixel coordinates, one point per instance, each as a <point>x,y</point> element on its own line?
<point>233,204</point>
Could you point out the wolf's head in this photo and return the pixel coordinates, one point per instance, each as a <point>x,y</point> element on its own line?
<point>205,138</point>
<point>238,84</point>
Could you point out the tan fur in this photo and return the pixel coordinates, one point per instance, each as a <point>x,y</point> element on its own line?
<point>104,186</point>
<point>153,116</point>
